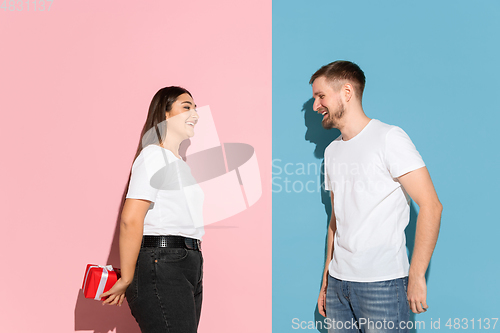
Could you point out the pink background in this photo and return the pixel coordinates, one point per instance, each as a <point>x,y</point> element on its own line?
<point>75,86</point>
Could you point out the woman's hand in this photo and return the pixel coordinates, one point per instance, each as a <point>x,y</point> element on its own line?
<point>116,294</point>
<point>131,227</point>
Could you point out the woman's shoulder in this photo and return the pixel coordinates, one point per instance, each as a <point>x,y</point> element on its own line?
<point>152,147</point>
<point>154,152</point>
<point>149,153</point>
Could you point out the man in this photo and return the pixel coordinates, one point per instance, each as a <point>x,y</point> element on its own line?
<point>370,170</point>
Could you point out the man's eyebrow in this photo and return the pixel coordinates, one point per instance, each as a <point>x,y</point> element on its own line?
<point>317,93</point>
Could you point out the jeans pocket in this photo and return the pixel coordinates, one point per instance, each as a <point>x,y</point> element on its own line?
<point>172,254</point>
<point>201,268</point>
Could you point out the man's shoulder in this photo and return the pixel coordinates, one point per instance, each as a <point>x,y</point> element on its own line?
<point>382,127</point>
<point>381,131</point>
<point>391,132</point>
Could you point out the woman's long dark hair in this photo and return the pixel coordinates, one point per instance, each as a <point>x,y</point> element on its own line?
<point>162,102</point>
<point>154,130</point>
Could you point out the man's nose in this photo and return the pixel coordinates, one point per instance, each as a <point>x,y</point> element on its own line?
<point>316,105</point>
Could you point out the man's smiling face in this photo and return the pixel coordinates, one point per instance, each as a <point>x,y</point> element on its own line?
<point>327,102</point>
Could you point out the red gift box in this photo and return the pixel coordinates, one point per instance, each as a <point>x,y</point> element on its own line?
<point>97,280</point>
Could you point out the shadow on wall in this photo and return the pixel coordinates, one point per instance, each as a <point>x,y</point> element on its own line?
<point>321,138</point>
<point>91,314</point>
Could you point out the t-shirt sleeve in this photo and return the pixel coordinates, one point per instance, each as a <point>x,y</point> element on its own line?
<point>401,156</point>
<point>145,166</point>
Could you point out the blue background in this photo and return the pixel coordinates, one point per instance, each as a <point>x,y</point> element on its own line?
<point>432,68</point>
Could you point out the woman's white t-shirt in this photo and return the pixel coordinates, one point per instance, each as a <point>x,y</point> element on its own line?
<point>176,199</point>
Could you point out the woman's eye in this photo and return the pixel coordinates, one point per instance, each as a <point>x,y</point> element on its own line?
<point>187,108</point>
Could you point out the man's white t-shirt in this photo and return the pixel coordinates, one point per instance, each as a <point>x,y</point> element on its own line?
<point>176,199</point>
<point>371,207</point>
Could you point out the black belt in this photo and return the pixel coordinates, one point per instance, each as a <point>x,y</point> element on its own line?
<point>171,241</point>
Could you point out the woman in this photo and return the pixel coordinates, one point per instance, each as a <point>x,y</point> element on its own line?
<point>161,223</point>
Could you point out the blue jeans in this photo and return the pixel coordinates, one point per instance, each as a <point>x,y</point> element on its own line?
<point>166,292</point>
<point>367,307</point>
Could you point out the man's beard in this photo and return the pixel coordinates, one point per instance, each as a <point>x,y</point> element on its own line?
<point>332,121</point>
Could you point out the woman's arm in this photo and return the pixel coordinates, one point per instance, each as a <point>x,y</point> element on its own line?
<point>131,227</point>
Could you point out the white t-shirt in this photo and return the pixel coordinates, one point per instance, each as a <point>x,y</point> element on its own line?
<point>371,207</point>
<point>176,199</point>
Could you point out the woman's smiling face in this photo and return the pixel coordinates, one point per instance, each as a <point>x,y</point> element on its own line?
<point>182,117</point>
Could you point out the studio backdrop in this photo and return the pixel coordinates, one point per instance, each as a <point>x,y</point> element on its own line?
<point>432,69</point>
<point>76,82</point>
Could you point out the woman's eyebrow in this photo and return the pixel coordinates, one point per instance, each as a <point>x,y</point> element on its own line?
<point>188,103</point>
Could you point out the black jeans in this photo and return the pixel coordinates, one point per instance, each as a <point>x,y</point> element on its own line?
<point>166,292</point>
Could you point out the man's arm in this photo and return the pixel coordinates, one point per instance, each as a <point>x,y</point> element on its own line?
<point>332,227</point>
<point>418,185</point>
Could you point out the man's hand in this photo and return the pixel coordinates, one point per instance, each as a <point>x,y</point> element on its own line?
<point>417,294</point>
<point>116,294</point>
<point>332,229</point>
<point>322,300</point>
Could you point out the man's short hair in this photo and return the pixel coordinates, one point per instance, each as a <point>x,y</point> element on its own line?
<point>342,70</point>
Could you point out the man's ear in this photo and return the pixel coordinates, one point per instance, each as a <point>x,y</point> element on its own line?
<point>347,91</point>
